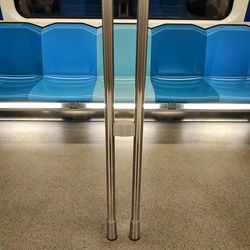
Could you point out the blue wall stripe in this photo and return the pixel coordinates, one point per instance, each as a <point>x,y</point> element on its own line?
<point>247,17</point>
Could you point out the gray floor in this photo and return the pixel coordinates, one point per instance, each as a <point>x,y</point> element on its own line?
<point>196,186</point>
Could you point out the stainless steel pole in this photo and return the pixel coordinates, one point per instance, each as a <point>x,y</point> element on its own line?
<point>141,62</point>
<point>108,48</point>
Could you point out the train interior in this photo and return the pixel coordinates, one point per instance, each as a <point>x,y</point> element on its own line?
<point>53,111</point>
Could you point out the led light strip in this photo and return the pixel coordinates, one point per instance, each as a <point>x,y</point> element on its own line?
<point>215,106</point>
<point>95,106</point>
<point>124,106</point>
<point>212,120</point>
<point>30,105</point>
<point>31,119</point>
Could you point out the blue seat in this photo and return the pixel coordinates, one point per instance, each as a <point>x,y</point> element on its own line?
<point>183,90</point>
<point>20,60</point>
<point>69,64</point>
<point>231,90</point>
<point>228,62</point>
<point>64,89</point>
<point>64,62</point>
<point>125,60</point>
<point>17,88</point>
<point>178,61</point>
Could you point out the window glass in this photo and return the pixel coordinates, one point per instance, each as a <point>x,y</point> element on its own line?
<point>159,9</point>
<point>1,15</point>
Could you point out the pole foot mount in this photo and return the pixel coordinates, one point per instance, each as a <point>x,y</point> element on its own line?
<point>134,231</point>
<point>111,230</point>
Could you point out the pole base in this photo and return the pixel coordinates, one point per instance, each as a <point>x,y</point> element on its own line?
<point>111,230</point>
<point>134,231</point>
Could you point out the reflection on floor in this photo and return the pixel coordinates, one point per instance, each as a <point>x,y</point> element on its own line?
<point>196,186</point>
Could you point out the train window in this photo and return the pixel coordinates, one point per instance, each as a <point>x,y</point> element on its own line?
<point>159,9</point>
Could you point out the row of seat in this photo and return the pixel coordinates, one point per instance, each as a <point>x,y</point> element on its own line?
<point>64,62</point>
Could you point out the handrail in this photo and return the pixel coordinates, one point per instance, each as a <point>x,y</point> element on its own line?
<point>108,48</point>
<point>141,61</point>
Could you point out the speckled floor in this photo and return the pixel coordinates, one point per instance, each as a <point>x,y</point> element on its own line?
<point>196,186</point>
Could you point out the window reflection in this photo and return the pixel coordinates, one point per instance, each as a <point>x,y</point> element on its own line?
<point>209,9</point>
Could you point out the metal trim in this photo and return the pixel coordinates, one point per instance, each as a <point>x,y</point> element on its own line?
<point>108,62</point>
<point>141,62</point>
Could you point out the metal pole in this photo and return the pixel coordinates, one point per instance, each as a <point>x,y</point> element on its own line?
<point>141,61</point>
<point>108,61</point>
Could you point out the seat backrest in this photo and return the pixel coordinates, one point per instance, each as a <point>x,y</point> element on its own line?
<point>178,50</point>
<point>124,50</point>
<point>228,51</point>
<point>20,49</point>
<point>69,49</point>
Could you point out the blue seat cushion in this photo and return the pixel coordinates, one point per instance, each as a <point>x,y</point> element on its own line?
<point>235,90</point>
<point>64,89</point>
<point>124,90</point>
<point>183,90</point>
<point>17,88</point>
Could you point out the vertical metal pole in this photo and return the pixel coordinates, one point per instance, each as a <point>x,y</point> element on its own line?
<point>108,48</point>
<point>141,62</point>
